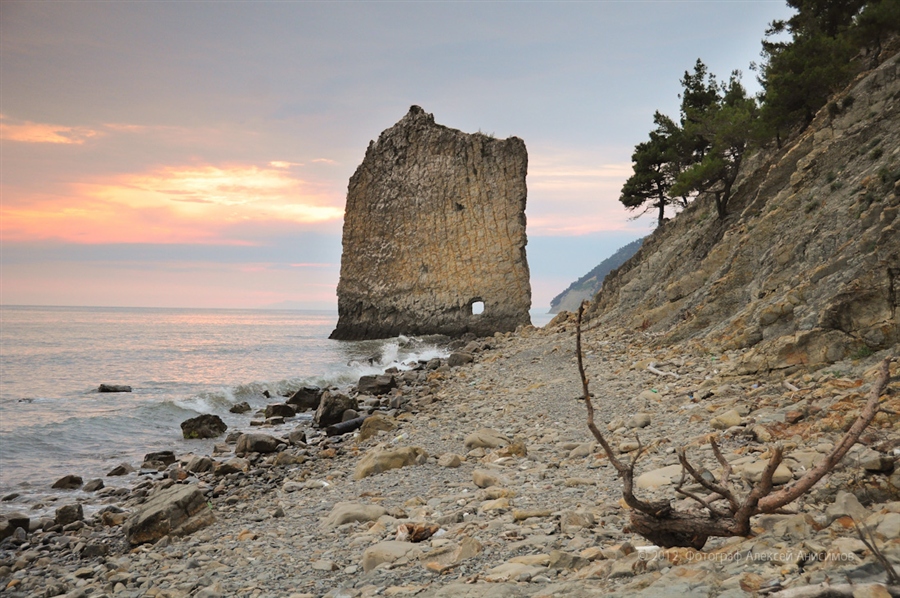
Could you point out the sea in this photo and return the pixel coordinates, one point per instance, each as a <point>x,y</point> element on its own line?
<point>179,363</point>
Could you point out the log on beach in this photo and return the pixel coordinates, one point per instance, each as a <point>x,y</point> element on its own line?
<point>345,427</point>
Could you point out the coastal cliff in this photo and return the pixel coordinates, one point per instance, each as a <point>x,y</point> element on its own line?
<point>588,285</point>
<point>434,224</point>
<point>805,270</point>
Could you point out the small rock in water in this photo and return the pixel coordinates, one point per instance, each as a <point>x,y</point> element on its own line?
<point>114,388</point>
<point>158,460</point>
<point>207,425</point>
<point>242,407</point>
<point>69,482</point>
<point>93,485</point>
<point>121,469</point>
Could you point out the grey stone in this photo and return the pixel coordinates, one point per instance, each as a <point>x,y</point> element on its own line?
<point>485,438</point>
<point>256,443</point>
<point>306,398</point>
<point>332,407</point>
<point>10,522</point>
<point>457,359</point>
<point>376,385</point>
<point>67,514</point>
<point>121,469</point>
<point>279,410</point>
<point>176,511</point>
<point>349,512</point>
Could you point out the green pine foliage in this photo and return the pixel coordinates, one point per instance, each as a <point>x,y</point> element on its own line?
<point>806,59</point>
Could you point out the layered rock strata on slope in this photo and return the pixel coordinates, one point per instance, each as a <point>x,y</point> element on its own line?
<point>434,227</point>
<point>806,268</point>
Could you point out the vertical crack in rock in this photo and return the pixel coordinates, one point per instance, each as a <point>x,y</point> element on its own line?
<point>435,221</point>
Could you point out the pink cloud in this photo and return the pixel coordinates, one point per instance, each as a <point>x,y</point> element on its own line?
<point>32,132</point>
<point>176,204</point>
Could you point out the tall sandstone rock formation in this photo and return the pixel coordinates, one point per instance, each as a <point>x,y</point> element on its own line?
<point>805,271</point>
<point>435,223</point>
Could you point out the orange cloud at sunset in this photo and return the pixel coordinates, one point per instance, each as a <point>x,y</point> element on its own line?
<point>183,204</point>
<point>32,132</point>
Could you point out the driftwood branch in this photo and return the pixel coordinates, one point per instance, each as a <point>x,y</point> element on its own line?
<point>801,486</point>
<point>660,523</point>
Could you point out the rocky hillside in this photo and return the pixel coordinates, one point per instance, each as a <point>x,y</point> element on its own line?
<point>805,270</point>
<point>588,285</point>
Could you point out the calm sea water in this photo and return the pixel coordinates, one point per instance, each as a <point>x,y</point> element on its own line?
<point>180,362</point>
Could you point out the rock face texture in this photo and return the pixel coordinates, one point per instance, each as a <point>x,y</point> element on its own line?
<point>434,224</point>
<point>806,268</point>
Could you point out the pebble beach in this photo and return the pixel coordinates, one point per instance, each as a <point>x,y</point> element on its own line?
<point>500,489</point>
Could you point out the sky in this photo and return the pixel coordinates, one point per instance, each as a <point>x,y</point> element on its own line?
<point>197,154</point>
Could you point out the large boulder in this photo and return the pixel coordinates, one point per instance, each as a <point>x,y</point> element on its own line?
<point>379,460</point>
<point>376,385</point>
<point>203,426</point>
<point>176,511</point>
<point>306,398</point>
<point>256,443</point>
<point>332,407</point>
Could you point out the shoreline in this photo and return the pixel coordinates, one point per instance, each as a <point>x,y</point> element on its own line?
<point>543,519</point>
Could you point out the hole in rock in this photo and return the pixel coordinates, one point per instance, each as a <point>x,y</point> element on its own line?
<point>477,307</point>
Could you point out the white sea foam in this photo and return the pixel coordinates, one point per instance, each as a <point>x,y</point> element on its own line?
<point>186,362</point>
